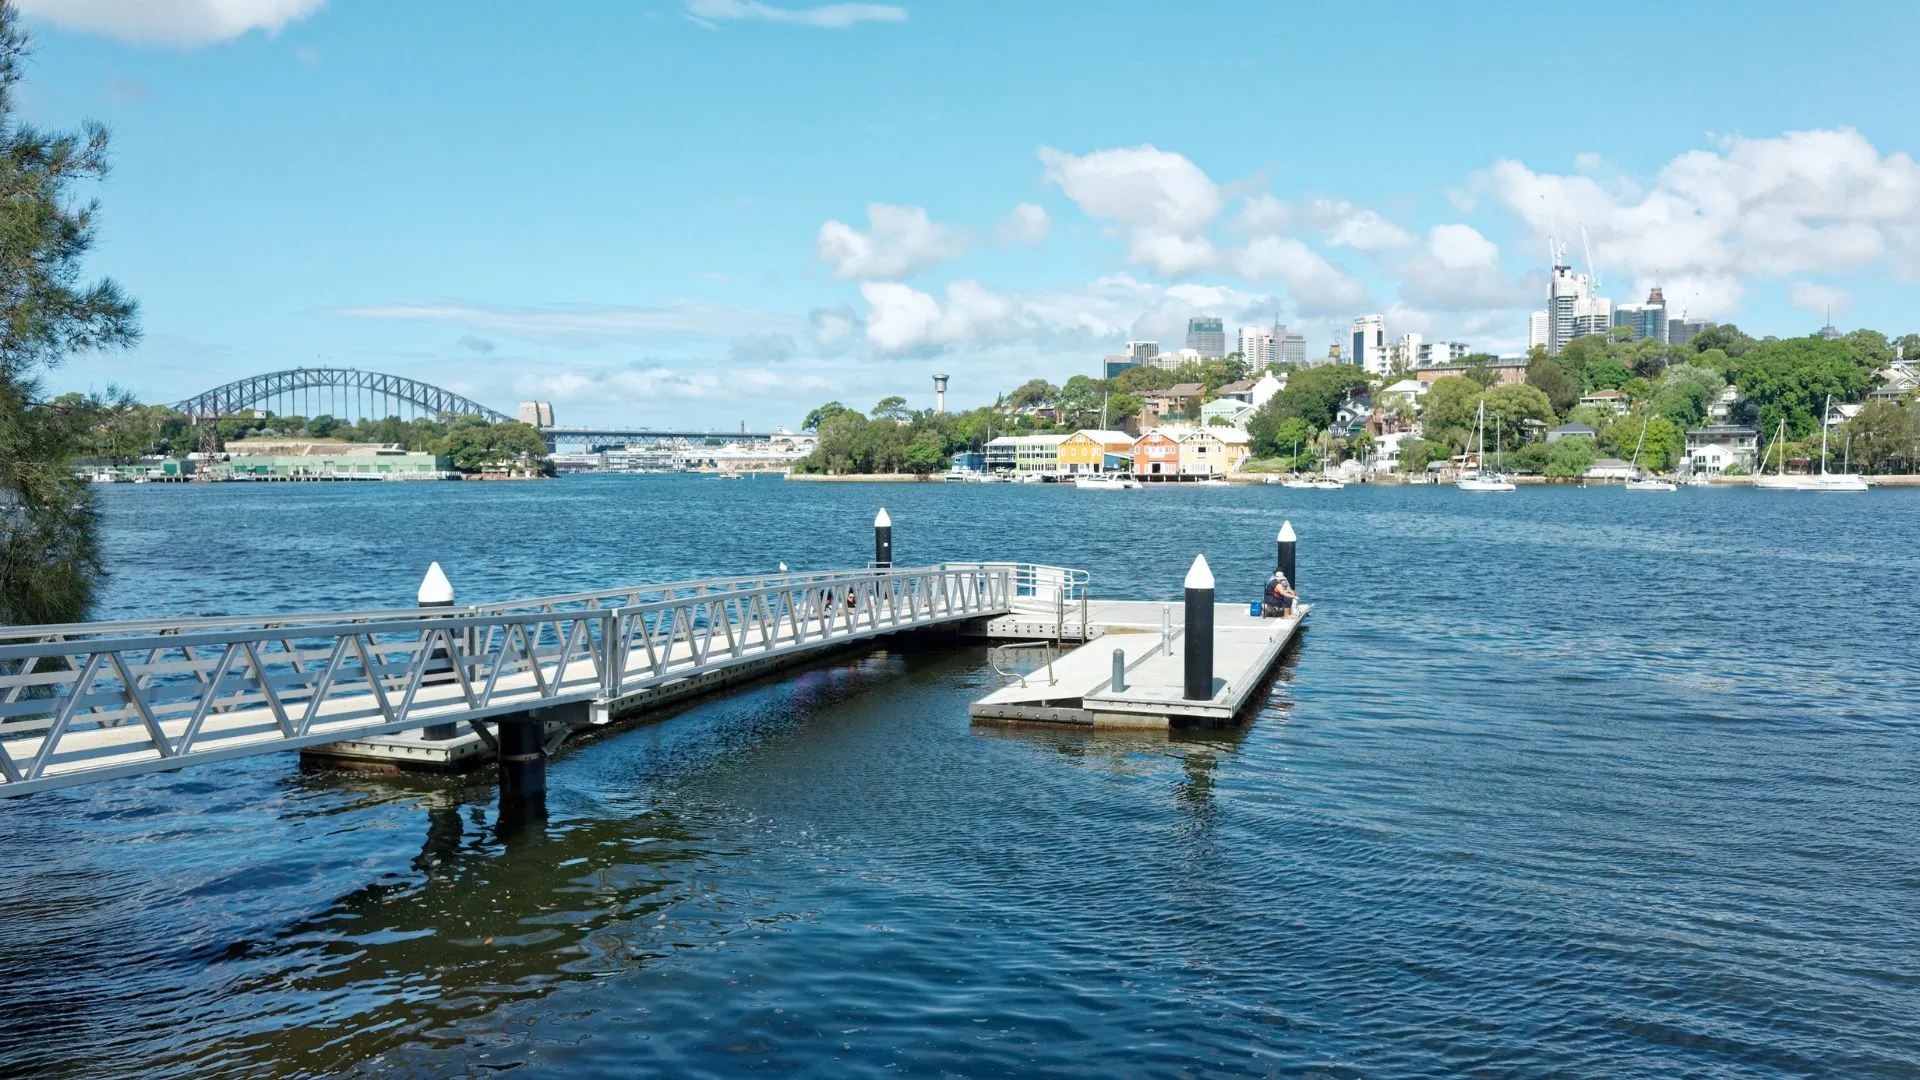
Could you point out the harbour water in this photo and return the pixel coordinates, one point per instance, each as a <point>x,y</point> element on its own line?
<point>1560,782</point>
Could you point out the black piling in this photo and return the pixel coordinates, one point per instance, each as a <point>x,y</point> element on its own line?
<point>1285,557</point>
<point>1199,631</point>
<point>883,540</point>
<point>523,760</point>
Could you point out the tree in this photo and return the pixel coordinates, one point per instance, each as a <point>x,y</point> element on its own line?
<point>1034,393</point>
<point>475,445</point>
<point>1723,336</point>
<point>1510,405</point>
<point>1571,457</point>
<point>892,408</point>
<point>1663,444</point>
<point>1479,368</point>
<point>924,454</point>
<point>1883,437</point>
<point>1686,393</point>
<point>50,563</point>
<point>1313,395</point>
<point>1449,408</point>
<point>1791,379</point>
<point>821,415</point>
<point>1415,454</point>
<point>1608,373</point>
<point>1545,374</point>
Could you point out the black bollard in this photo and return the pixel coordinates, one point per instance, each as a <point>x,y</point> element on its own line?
<point>437,592</point>
<point>1199,631</point>
<point>883,540</point>
<point>1285,561</point>
<point>1119,671</point>
<point>523,759</point>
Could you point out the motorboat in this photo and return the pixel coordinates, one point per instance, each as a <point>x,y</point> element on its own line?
<point>1211,482</point>
<point>1106,483</point>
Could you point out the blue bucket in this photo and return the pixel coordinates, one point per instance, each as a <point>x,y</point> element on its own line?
<point>1253,609</point>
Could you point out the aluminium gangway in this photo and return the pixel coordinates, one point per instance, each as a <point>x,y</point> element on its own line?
<point>86,702</point>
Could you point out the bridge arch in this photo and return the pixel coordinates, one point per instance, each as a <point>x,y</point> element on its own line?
<point>346,387</point>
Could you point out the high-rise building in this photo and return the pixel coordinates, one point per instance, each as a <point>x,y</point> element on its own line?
<point>1207,335</point>
<point>1537,330</point>
<point>1142,351</point>
<point>1441,353</point>
<point>1681,331</point>
<point>1291,348</point>
<point>1644,321</point>
<point>1370,344</point>
<point>1572,309</point>
<point>1114,365</point>
<point>1257,346</point>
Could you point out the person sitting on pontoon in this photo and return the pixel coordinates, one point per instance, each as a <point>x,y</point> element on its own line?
<point>1280,597</point>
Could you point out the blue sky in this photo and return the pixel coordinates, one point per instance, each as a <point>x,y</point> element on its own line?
<point>715,211</point>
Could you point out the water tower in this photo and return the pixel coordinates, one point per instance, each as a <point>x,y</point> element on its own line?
<point>939,393</point>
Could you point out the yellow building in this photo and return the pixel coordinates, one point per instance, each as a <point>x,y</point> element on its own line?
<point>1086,451</point>
<point>1037,454</point>
<point>1213,451</point>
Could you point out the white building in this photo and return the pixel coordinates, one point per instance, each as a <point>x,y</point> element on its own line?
<point>1142,352</point>
<point>1441,353</point>
<point>1537,331</point>
<point>1257,346</point>
<point>1172,361</point>
<point>1370,344</point>
<point>1572,309</point>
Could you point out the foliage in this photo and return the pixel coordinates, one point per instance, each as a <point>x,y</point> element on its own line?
<point>1511,404</point>
<point>891,408</point>
<point>1884,437</point>
<point>1725,337</point>
<point>1661,450</point>
<point>1033,394</point>
<point>1448,410</point>
<point>1685,394</point>
<point>1571,457</point>
<point>475,446</point>
<point>1546,375</point>
<point>821,415</point>
<point>1416,454</point>
<point>1312,395</point>
<point>1607,373</point>
<point>50,561</point>
<point>1530,459</point>
<point>1791,378</point>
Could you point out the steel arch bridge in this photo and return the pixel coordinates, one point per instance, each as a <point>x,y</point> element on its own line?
<point>349,386</point>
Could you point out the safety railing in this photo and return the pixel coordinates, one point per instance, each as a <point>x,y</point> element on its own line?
<point>96,700</point>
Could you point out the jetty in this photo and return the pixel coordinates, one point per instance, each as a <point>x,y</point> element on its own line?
<point>445,687</point>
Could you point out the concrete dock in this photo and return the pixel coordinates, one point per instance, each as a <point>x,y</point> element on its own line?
<point>1078,688</point>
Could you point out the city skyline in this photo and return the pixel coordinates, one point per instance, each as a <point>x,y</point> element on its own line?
<point>484,203</point>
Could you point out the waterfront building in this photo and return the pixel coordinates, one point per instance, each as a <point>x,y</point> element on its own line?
<point>1611,468</point>
<point>1537,336</point>
<point>1720,409</point>
<point>1087,450</point>
<point>1000,454</point>
<point>1611,402</point>
<point>1681,331</point>
<point>1571,431</point>
<point>1899,381</point>
<point>1212,451</point>
<point>1227,412</point>
<point>970,461</point>
<point>1157,454</point>
<point>1716,448</point>
<point>1369,339</point>
<point>1207,336</point>
<point>1646,321</point>
<point>397,465</point>
<point>1037,454</point>
<point>1111,366</point>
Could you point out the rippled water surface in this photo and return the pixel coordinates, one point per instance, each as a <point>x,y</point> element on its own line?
<point>1562,782</point>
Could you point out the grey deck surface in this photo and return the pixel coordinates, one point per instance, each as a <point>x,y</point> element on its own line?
<point>1081,687</point>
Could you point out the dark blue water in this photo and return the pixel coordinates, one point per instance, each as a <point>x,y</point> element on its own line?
<point>1564,782</point>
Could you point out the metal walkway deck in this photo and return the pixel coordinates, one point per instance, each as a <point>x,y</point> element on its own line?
<point>93,701</point>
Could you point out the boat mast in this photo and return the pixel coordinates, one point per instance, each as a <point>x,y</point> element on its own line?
<point>1824,413</point>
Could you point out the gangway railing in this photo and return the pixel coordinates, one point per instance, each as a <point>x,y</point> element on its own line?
<point>1050,590</point>
<point>93,701</point>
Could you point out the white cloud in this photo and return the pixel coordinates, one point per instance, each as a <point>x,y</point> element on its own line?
<point>828,17</point>
<point>1350,226</point>
<point>1822,300</point>
<point>639,388</point>
<point>1458,269</point>
<point>902,319</point>
<point>1027,224</point>
<point>1316,286</point>
<point>182,23</point>
<point>1161,203</point>
<point>834,329</point>
<point>591,324</point>
<point>900,241</point>
<point>1804,202</point>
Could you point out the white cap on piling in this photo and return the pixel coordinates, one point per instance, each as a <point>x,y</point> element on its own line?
<point>1286,531</point>
<point>1201,575</point>
<point>881,520</point>
<point>435,588</point>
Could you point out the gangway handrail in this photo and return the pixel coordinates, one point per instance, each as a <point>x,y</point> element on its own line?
<point>85,702</point>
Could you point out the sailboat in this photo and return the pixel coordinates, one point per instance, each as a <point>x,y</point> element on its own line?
<point>1641,482</point>
<point>1481,479</point>
<point>1820,481</point>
